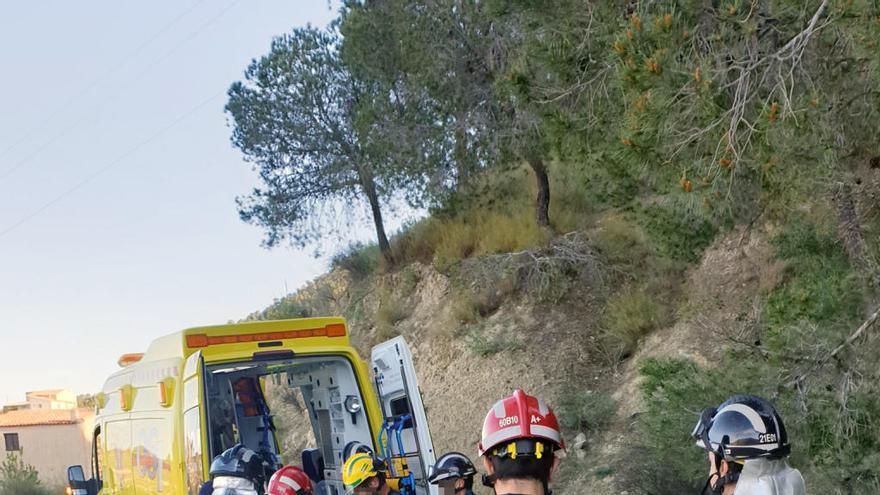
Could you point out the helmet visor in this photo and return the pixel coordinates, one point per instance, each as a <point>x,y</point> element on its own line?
<point>735,429</point>
<point>701,430</point>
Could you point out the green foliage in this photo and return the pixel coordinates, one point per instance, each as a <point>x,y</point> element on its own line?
<point>302,119</point>
<point>630,315</point>
<point>86,400</point>
<point>820,289</point>
<point>483,344</point>
<point>286,308</point>
<point>833,419</point>
<point>621,242</point>
<point>19,478</point>
<point>676,391</point>
<point>677,232</point>
<point>585,411</point>
<point>359,260</point>
<point>603,472</point>
<point>661,124</point>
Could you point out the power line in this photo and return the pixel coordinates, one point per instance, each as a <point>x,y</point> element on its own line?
<point>138,76</point>
<point>110,165</point>
<point>69,102</point>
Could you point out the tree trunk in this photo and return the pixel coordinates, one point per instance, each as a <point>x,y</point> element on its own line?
<point>369,186</point>
<point>542,202</point>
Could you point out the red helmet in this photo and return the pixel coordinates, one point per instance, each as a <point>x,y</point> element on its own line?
<point>290,480</point>
<point>519,417</point>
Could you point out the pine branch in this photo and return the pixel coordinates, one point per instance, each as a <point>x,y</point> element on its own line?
<point>848,342</point>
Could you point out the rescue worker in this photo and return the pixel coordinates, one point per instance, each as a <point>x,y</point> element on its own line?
<point>290,480</point>
<point>747,446</point>
<point>238,471</point>
<point>519,443</point>
<point>453,474</point>
<point>364,474</point>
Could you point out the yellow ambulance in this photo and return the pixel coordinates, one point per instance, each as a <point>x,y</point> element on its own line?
<point>168,412</point>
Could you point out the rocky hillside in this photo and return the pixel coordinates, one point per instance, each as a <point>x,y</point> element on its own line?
<point>586,320</point>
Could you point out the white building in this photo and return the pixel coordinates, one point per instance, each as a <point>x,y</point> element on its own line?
<point>49,440</point>
<point>48,432</point>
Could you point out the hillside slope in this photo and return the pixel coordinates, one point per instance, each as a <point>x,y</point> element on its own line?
<point>485,325</point>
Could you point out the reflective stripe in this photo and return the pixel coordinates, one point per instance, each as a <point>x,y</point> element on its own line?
<point>548,433</point>
<point>499,410</point>
<point>501,435</point>
<point>542,407</point>
<point>289,482</point>
<point>749,413</point>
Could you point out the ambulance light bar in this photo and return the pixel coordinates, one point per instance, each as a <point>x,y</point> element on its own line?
<point>203,340</point>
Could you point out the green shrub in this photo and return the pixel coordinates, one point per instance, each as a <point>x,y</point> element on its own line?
<point>833,420</point>
<point>585,411</point>
<point>676,231</point>
<point>286,308</point>
<point>675,392</point>
<point>19,478</point>
<point>573,203</point>
<point>603,472</point>
<point>821,287</point>
<point>465,308</point>
<point>632,314</point>
<point>359,260</point>
<point>487,345</point>
<point>621,241</point>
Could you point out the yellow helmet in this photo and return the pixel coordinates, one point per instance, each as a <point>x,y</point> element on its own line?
<point>357,469</point>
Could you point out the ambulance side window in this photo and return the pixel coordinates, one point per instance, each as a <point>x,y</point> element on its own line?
<point>192,437</point>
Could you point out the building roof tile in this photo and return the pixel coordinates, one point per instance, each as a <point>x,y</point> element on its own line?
<point>42,417</point>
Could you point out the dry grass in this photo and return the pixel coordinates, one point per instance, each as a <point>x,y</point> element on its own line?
<point>630,315</point>
<point>443,241</point>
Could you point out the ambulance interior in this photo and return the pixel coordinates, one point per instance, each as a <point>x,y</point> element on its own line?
<point>318,414</point>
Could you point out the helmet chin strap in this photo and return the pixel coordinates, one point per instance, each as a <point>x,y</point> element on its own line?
<point>722,481</point>
<point>489,480</point>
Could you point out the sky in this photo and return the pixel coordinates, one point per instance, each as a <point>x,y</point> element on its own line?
<point>118,181</point>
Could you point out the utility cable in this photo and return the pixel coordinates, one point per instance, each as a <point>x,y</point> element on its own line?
<point>113,163</point>
<point>138,76</point>
<point>95,82</point>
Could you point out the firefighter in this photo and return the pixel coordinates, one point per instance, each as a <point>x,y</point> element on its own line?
<point>238,471</point>
<point>290,480</point>
<point>453,474</point>
<point>519,443</point>
<point>365,474</point>
<point>747,446</point>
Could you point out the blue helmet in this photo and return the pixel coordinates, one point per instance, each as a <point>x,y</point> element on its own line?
<point>239,462</point>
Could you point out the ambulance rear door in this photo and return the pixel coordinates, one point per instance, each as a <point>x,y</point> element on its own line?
<point>405,434</point>
<point>195,458</point>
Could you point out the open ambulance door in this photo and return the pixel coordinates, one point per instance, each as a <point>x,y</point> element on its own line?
<point>405,440</point>
<point>196,458</point>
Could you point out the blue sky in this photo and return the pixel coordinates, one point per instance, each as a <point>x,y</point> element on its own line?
<point>143,237</point>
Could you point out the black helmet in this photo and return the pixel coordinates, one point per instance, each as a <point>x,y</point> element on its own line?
<point>239,462</point>
<point>452,465</point>
<point>742,427</point>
